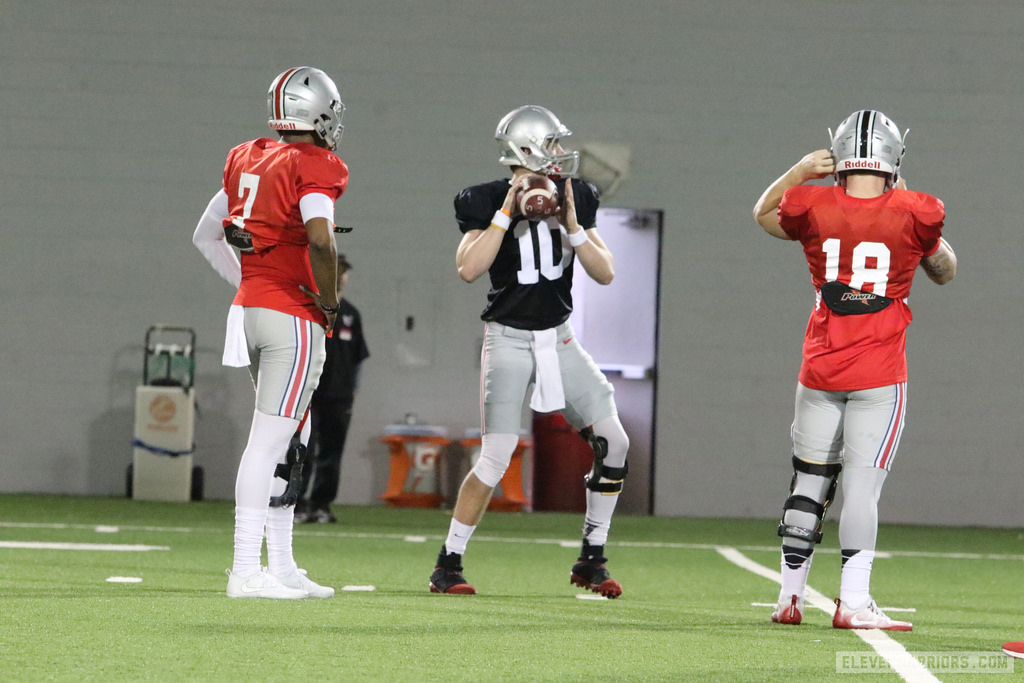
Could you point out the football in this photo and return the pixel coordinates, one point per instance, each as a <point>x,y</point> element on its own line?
<point>538,197</point>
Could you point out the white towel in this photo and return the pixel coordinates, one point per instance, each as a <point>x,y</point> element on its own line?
<point>236,350</point>
<point>548,394</point>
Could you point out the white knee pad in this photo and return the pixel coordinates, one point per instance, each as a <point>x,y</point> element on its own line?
<point>495,454</point>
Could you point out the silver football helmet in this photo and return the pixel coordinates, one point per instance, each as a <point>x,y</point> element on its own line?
<point>868,140</point>
<point>530,137</point>
<point>306,99</point>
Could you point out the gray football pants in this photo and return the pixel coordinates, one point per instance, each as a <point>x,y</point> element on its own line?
<point>508,371</point>
<point>860,429</point>
<point>286,356</point>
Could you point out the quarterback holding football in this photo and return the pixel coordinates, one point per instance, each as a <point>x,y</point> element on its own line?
<point>528,242</point>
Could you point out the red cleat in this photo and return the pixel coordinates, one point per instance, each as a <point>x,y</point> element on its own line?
<point>789,611</point>
<point>593,575</point>
<point>1014,649</point>
<point>869,616</point>
<point>447,576</point>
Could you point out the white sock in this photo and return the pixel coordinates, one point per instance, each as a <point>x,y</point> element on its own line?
<point>268,442</point>
<point>795,571</point>
<point>855,585</point>
<point>248,541</point>
<point>599,516</point>
<point>279,541</point>
<point>458,537</point>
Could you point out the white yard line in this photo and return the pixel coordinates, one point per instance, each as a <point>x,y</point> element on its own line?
<point>115,547</point>
<point>901,661</point>
<point>314,530</point>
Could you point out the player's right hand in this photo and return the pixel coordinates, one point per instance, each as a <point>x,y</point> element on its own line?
<point>816,165</point>
<point>509,206</point>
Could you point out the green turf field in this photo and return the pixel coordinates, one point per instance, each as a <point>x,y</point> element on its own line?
<point>687,612</point>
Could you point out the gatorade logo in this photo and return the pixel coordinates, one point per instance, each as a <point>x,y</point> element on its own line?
<point>162,409</point>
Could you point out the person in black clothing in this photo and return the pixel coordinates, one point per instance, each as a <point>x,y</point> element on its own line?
<point>331,408</point>
<point>528,338</point>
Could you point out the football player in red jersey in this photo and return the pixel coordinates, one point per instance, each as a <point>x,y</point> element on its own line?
<point>528,338</point>
<point>863,239</point>
<point>277,206</point>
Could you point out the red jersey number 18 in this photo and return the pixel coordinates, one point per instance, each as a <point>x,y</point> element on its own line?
<point>861,273</point>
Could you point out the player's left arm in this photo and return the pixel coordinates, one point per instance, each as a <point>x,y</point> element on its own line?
<point>940,266</point>
<point>593,254</point>
<point>323,260</point>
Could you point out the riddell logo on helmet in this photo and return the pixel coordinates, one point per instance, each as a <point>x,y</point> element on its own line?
<point>864,164</point>
<point>283,126</point>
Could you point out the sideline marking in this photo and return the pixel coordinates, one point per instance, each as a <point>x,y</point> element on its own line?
<point>36,545</point>
<point>879,554</point>
<point>901,661</point>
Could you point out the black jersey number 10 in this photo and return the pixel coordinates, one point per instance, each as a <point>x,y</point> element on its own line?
<point>545,235</point>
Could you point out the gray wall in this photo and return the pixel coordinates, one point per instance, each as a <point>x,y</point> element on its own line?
<point>117,116</point>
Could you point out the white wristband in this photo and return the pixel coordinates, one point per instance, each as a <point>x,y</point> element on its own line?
<point>501,220</point>
<point>578,238</point>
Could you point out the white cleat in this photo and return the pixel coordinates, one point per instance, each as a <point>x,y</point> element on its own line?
<point>869,616</point>
<point>298,579</point>
<point>262,584</point>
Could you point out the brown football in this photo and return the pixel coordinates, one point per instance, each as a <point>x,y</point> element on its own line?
<point>538,198</point>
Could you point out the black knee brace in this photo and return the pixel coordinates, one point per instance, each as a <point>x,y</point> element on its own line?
<point>614,475</point>
<point>805,504</point>
<point>291,472</point>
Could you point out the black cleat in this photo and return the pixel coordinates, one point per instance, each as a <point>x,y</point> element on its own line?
<point>447,576</point>
<point>589,572</point>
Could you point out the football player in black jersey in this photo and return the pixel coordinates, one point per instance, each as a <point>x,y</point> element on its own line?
<point>528,338</point>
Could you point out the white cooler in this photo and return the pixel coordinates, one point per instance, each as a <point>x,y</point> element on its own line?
<point>163,444</point>
<point>161,466</point>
